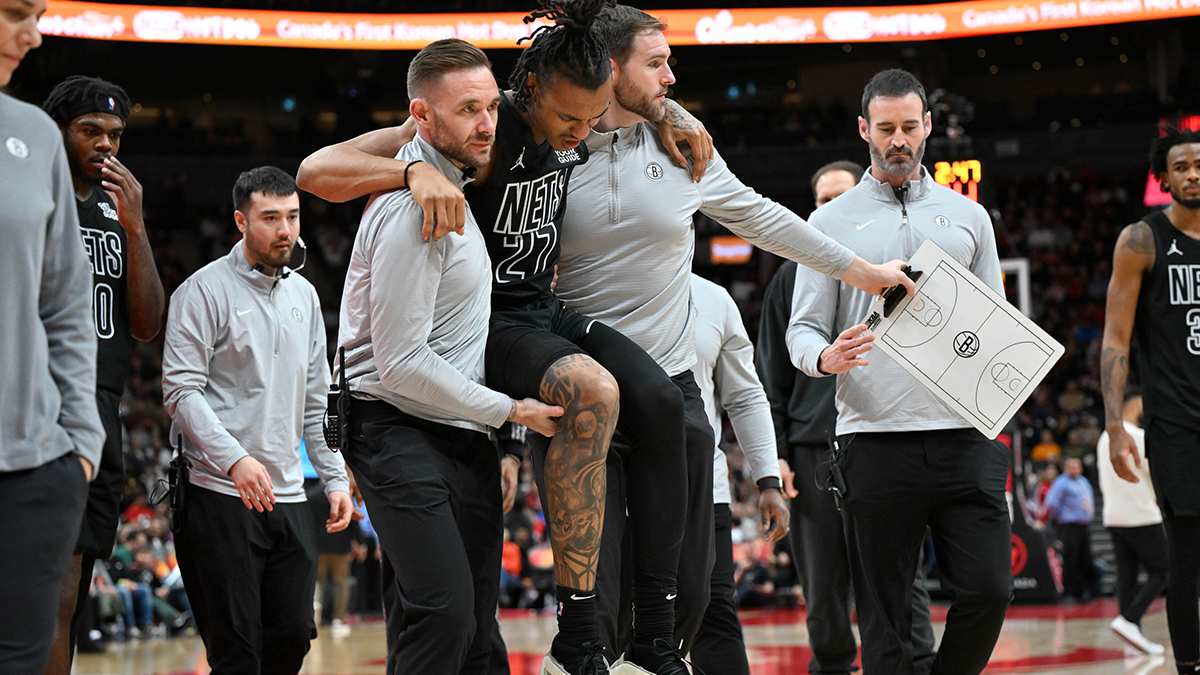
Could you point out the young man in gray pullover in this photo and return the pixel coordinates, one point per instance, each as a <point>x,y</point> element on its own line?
<point>50,430</point>
<point>245,378</point>
<point>908,460</point>
<point>414,324</point>
<point>627,246</point>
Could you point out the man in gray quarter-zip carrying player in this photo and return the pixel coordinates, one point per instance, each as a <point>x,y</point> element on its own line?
<point>245,378</point>
<point>627,246</point>
<point>414,324</point>
<point>908,460</point>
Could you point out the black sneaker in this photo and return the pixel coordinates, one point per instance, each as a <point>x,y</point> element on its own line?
<point>659,658</point>
<point>589,661</point>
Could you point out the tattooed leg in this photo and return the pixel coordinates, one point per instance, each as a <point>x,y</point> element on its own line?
<point>575,474</point>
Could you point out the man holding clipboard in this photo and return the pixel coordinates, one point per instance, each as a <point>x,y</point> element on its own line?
<point>906,459</point>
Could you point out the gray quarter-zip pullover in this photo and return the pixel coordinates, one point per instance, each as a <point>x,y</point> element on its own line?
<point>245,373</point>
<point>415,313</point>
<point>628,238</point>
<point>727,380</point>
<point>881,224</point>
<point>47,338</point>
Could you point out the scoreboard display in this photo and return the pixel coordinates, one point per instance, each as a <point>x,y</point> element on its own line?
<point>962,176</point>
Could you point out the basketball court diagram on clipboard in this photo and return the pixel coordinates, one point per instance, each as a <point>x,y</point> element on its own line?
<point>963,341</point>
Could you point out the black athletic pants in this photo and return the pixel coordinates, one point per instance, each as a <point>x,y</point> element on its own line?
<point>42,510</point>
<point>1145,546</point>
<point>1183,586</point>
<point>820,554</point>
<point>250,578</point>
<point>951,481</point>
<point>433,492</point>
<point>393,617</point>
<point>1078,566</point>
<point>720,646</point>
<point>625,481</point>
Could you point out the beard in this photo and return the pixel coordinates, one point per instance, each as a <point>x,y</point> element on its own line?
<point>899,161</point>
<point>276,258</point>
<point>459,151</point>
<point>646,106</point>
<point>1178,198</point>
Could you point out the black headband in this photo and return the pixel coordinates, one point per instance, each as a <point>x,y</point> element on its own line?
<point>99,103</point>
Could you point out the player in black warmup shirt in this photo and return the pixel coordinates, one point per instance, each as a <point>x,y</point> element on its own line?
<point>127,303</point>
<point>1155,291</point>
<point>539,348</point>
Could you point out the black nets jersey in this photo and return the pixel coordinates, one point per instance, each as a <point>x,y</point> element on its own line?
<point>520,209</point>
<point>1168,326</point>
<point>107,249</point>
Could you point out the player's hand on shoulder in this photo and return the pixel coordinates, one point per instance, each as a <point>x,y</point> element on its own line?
<point>536,416</point>
<point>1122,452</point>
<point>678,125</point>
<point>443,203</point>
<point>126,191</point>
<point>846,351</point>
<point>253,484</point>
<point>875,279</point>
<point>341,511</point>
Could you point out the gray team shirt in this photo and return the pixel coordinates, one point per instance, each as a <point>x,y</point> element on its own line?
<point>245,373</point>
<point>414,318</point>
<point>628,238</point>
<point>47,339</point>
<point>727,380</point>
<point>870,219</point>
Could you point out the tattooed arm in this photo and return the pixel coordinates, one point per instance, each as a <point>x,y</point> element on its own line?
<point>679,125</point>
<point>1133,256</point>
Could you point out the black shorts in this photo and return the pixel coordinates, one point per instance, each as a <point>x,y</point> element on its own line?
<point>100,520</point>
<point>523,342</point>
<point>1174,454</point>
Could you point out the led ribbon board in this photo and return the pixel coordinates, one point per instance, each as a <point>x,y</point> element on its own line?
<point>139,23</point>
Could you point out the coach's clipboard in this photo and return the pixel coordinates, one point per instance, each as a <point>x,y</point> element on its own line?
<point>968,345</point>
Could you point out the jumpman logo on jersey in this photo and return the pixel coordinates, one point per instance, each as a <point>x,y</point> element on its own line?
<point>520,161</point>
<point>1174,248</point>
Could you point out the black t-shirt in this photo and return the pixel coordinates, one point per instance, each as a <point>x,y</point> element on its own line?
<point>1168,326</point>
<point>107,248</point>
<point>520,209</point>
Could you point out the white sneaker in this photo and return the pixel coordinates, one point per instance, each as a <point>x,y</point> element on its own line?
<point>339,628</point>
<point>1129,632</point>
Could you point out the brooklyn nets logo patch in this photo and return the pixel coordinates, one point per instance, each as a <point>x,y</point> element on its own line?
<point>654,171</point>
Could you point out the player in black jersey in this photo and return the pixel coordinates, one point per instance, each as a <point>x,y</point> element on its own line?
<point>1155,291</point>
<point>539,347</point>
<point>127,303</point>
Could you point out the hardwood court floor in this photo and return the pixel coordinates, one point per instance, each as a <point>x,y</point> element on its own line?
<point>1036,639</point>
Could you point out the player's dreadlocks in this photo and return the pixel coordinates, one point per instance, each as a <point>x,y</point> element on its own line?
<point>1162,145</point>
<point>569,48</point>
<point>79,95</point>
